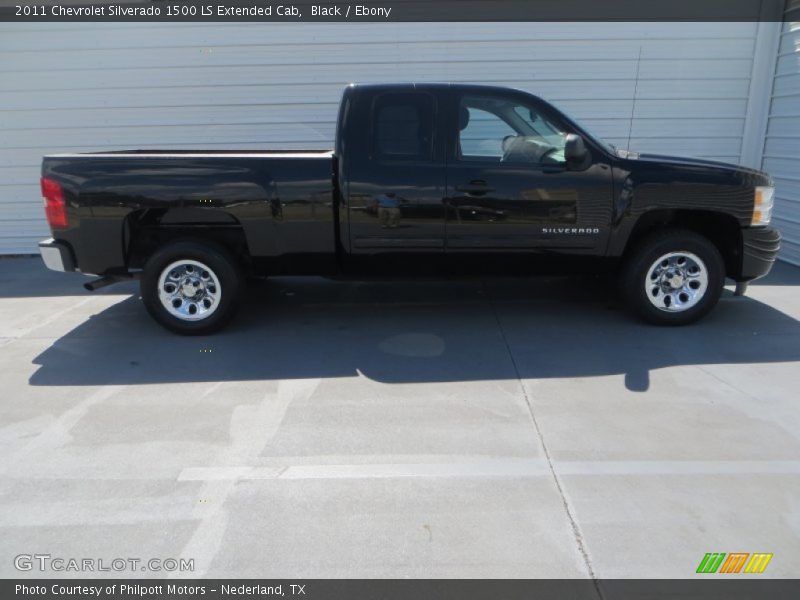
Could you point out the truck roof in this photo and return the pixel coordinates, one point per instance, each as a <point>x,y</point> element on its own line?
<point>434,85</point>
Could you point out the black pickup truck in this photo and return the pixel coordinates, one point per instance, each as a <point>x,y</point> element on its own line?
<point>424,179</point>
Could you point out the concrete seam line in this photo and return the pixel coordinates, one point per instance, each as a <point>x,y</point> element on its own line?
<point>576,532</point>
<point>727,384</point>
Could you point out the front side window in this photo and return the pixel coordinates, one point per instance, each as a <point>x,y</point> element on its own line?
<point>499,130</point>
<point>403,127</point>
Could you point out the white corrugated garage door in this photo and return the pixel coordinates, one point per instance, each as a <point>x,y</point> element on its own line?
<point>83,87</point>
<point>782,147</point>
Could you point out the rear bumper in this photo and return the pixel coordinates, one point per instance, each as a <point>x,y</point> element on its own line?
<point>760,247</point>
<point>56,255</point>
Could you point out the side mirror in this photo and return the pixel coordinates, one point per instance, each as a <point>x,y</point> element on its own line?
<point>574,149</point>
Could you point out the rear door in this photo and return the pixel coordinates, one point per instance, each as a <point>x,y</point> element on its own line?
<point>509,186</point>
<point>395,190</point>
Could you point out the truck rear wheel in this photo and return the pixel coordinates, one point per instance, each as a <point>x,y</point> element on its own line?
<point>191,288</point>
<point>673,277</point>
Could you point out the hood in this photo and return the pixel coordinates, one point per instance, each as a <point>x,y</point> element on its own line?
<point>683,161</point>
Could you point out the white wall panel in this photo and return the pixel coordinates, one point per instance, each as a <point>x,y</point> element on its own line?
<point>782,145</point>
<point>82,87</point>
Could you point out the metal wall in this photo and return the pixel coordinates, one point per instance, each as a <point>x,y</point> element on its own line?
<point>782,146</point>
<point>678,88</point>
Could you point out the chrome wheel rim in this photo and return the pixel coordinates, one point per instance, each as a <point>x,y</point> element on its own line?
<point>189,290</point>
<point>676,281</point>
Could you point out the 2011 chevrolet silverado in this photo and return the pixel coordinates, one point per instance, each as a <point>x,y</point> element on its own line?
<point>424,179</point>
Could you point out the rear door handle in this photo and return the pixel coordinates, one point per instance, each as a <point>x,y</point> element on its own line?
<point>476,187</point>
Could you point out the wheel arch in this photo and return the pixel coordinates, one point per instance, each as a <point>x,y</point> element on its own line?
<point>721,229</point>
<point>145,231</point>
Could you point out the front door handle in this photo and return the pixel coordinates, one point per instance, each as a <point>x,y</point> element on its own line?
<point>476,187</point>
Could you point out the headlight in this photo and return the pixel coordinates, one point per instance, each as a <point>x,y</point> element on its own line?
<point>762,205</point>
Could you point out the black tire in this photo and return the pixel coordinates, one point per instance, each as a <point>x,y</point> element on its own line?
<point>222,267</point>
<point>636,272</point>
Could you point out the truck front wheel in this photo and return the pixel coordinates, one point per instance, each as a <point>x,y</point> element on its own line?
<point>191,288</point>
<point>673,277</point>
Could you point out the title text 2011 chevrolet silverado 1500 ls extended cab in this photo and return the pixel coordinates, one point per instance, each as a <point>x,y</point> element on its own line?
<point>424,179</point>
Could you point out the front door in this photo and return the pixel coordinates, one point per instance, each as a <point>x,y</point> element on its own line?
<point>509,187</point>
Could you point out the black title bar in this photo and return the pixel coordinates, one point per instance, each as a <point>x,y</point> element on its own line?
<point>393,10</point>
<point>710,588</point>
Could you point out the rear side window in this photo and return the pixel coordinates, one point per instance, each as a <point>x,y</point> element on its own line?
<point>403,127</point>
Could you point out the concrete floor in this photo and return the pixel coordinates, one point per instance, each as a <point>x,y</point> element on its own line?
<point>411,429</point>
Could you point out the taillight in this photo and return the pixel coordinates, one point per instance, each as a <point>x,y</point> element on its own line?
<point>54,206</point>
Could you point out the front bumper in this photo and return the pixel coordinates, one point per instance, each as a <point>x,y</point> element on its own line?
<point>760,247</point>
<point>56,255</point>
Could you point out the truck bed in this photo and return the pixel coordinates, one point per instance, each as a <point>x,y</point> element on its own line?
<point>280,200</point>
<point>161,153</point>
